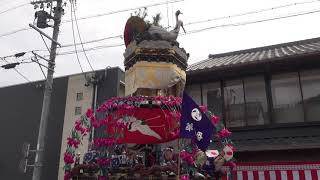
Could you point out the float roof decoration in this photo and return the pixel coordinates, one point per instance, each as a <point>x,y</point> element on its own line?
<point>138,29</point>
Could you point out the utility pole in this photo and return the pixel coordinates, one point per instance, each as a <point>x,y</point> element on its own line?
<point>39,159</point>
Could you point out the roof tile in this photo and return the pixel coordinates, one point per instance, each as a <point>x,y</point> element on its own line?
<point>257,55</point>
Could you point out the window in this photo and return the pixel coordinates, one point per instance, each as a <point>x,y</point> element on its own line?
<point>310,82</point>
<point>256,101</point>
<point>212,98</point>
<point>194,91</point>
<point>234,103</point>
<point>78,110</point>
<point>79,96</point>
<point>286,97</point>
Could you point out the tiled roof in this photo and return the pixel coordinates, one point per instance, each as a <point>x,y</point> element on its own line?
<point>257,55</point>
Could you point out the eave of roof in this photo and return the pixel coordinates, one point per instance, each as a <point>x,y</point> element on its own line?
<point>257,55</point>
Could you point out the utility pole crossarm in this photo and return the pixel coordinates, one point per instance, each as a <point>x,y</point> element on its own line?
<point>41,32</point>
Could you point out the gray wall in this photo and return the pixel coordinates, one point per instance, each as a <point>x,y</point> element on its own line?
<point>110,84</point>
<point>20,112</point>
<point>108,87</point>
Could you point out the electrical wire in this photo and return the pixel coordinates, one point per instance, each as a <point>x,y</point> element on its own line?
<point>23,76</point>
<point>13,32</point>
<point>13,8</point>
<point>92,41</point>
<point>79,35</point>
<point>90,49</point>
<point>74,40</point>
<point>253,22</point>
<point>190,32</point>
<point>252,12</point>
<point>8,2</point>
<point>44,75</point>
<point>93,16</point>
<point>186,24</point>
<point>45,43</point>
<point>168,13</point>
<point>123,10</point>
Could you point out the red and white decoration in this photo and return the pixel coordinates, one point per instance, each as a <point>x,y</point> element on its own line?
<point>277,171</point>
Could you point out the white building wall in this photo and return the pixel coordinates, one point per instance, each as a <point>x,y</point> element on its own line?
<point>76,84</point>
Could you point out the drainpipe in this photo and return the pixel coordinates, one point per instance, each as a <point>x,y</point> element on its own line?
<point>94,81</point>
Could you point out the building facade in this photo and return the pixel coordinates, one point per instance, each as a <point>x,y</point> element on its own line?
<point>269,97</point>
<point>20,109</point>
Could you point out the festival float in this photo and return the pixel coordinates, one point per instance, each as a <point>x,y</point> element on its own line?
<point>157,131</point>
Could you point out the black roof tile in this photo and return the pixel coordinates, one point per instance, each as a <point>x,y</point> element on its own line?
<point>257,55</point>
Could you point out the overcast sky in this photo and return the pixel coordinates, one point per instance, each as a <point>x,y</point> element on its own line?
<point>199,45</point>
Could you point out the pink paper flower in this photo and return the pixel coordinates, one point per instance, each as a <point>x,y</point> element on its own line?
<point>231,164</point>
<point>185,156</point>
<point>68,158</point>
<point>184,177</point>
<point>203,108</point>
<point>92,118</point>
<point>78,127</point>
<point>89,113</point>
<point>67,176</point>
<point>175,134</point>
<point>96,124</point>
<point>224,133</point>
<point>215,120</point>
<point>102,178</point>
<point>103,162</point>
<point>232,147</point>
<point>73,142</point>
<point>103,142</point>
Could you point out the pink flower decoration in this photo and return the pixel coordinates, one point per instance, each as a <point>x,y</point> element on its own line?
<point>185,156</point>
<point>224,133</point>
<point>103,162</point>
<point>73,142</point>
<point>68,158</point>
<point>102,142</point>
<point>232,147</point>
<point>96,124</point>
<point>67,176</point>
<point>89,113</point>
<point>231,164</point>
<point>175,134</point>
<point>215,119</point>
<point>92,118</point>
<point>102,178</point>
<point>203,108</point>
<point>184,177</point>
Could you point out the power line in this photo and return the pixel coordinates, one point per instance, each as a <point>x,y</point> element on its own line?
<point>13,32</point>
<point>253,22</point>
<point>94,16</point>
<point>85,54</point>
<point>13,8</point>
<point>123,10</point>
<point>252,12</point>
<point>92,41</point>
<point>23,76</point>
<point>190,32</point>
<point>8,2</point>
<point>186,24</point>
<point>91,49</point>
<point>74,41</point>
<point>168,13</point>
